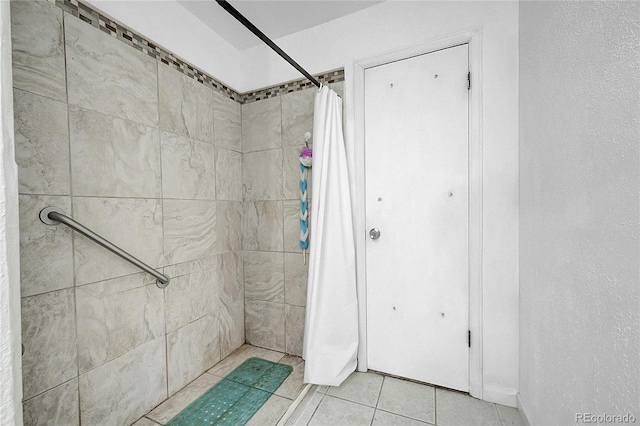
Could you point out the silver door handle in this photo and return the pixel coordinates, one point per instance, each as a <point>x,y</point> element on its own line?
<point>374,233</point>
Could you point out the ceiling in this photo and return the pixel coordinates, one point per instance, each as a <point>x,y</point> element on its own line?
<point>274,18</point>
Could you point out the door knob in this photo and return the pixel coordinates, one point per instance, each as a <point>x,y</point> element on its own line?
<point>374,233</point>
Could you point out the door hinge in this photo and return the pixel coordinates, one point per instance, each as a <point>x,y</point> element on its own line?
<point>469,338</point>
<point>469,80</point>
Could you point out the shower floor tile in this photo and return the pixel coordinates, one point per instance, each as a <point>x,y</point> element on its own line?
<point>268,415</point>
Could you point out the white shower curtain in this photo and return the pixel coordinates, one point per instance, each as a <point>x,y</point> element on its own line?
<point>331,327</point>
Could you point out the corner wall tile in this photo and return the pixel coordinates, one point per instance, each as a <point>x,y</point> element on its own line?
<point>228,175</point>
<point>117,316</point>
<point>231,278</point>
<point>190,297</point>
<point>186,106</point>
<point>227,122</point>
<point>58,406</point>
<point>264,276</point>
<point>188,168</point>
<point>297,116</point>
<point>106,75</point>
<point>135,225</point>
<point>49,336</point>
<point>42,144</point>
<point>339,89</point>
<point>261,125</point>
<point>38,49</point>
<point>294,327</point>
<point>139,374</point>
<point>291,212</point>
<point>296,273</point>
<point>262,175</point>
<point>189,230</point>
<point>191,350</point>
<point>231,327</point>
<point>229,220</point>
<point>262,226</point>
<point>112,157</point>
<point>46,252</point>
<point>264,324</point>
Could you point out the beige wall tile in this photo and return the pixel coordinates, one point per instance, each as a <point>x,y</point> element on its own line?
<point>339,89</point>
<point>231,327</point>
<point>58,406</point>
<point>42,144</point>
<point>140,375</point>
<point>188,168</point>
<point>116,316</point>
<point>49,336</point>
<point>264,276</point>
<point>191,350</point>
<point>190,297</point>
<point>38,49</point>
<point>296,273</point>
<point>229,219</point>
<point>264,324</point>
<point>189,230</point>
<point>46,253</point>
<point>262,175</point>
<point>261,125</point>
<point>112,157</point>
<point>227,122</point>
<point>262,226</point>
<point>297,116</point>
<point>291,225</point>
<point>231,278</point>
<point>134,225</point>
<point>106,75</point>
<point>185,268</point>
<point>228,174</point>
<point>294,328</point>
<point>186,106</point>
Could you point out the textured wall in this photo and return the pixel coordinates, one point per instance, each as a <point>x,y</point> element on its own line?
<point>275,276</point>
<point>150,159</point>
<point>579,171</point>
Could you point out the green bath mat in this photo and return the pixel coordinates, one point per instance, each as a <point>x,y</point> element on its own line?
<point>237,397</point>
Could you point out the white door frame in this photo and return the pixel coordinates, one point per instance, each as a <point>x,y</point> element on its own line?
<point>474,39</point>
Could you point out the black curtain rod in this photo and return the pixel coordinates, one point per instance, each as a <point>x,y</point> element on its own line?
<point>244,21</point>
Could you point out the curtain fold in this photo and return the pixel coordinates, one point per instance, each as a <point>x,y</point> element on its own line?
<point>331,328</point>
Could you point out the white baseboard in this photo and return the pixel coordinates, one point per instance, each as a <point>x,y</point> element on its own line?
<point>522,411</point>
<point>499,396</point>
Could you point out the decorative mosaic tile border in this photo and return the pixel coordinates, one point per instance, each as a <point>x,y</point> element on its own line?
<point>293,86</point>
<point>93,17</point>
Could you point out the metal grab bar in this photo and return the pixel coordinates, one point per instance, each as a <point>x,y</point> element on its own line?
<point>55,216</point>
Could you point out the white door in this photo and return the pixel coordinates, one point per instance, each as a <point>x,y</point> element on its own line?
<point>417,185</point>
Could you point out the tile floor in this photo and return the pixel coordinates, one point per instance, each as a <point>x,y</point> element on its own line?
<point>374,400</point>
<point>363,399</point>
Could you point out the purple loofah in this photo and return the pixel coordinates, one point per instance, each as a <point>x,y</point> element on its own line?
<point>306,152</point>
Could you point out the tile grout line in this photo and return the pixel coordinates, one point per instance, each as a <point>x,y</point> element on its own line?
<point>71,197</point>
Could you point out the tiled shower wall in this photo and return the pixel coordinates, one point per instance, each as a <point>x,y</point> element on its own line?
<point>275,274</point>
<point>151,159</point>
